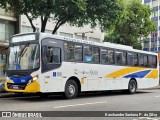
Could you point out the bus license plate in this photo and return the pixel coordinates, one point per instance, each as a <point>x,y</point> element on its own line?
<point>15,87</point>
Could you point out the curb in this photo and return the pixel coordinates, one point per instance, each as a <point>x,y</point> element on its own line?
<point>6,95</point>
<point>153,88</point>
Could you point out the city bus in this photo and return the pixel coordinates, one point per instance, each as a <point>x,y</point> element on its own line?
<point>46,63</point>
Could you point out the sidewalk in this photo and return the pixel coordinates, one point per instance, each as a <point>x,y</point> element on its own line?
<point>153,88</point>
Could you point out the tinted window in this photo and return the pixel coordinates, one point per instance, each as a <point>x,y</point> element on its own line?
<point>88,54</point>
<point>73,52</point>
<point>91,54</point>
<point>78,53</point>
<point>145,60</point>
<point>135,59</point>
<point>150,61</point>
<point>95,54</point>
<point>104,56</point>
<point>52,55</point>
<point>124,60</point>
<point>154,60</point>
<point>130,59</point>
<point>111,56</point>
<point>141,60</point>
<point>118,56</point>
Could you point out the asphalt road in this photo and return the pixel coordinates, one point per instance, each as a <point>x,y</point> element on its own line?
<point>143,100</point>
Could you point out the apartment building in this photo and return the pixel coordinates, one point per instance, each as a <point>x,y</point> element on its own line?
<point>85,32</point>
<point>153,41</point>
<point>8,27</point>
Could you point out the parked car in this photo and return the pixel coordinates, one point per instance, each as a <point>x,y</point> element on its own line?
<point>2,87</point>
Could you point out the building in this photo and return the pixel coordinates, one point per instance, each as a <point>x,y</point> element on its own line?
<point>153,41</point>
<point>66,30</point>
<point>8,27</point>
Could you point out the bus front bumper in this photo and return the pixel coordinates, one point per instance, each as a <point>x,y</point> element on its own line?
<point>31,88</point>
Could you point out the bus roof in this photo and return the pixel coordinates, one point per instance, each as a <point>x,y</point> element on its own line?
<point>104,44</point>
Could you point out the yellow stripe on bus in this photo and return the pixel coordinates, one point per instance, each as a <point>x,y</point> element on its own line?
<point>152,74</point>
<point>124,71</point>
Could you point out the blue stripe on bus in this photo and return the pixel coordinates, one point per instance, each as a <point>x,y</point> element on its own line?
<point>21,80</point>
<point>140,74</point>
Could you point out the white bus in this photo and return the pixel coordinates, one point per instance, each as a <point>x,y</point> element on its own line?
<point>45,63</point>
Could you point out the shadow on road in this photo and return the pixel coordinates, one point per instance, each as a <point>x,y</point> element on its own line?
<point>55,97</point>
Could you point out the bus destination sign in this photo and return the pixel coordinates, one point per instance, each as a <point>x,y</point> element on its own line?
<point>23,38</point>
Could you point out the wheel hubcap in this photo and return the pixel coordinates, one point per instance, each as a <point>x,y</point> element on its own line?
<point>132,87</point>
<point>71,90</point>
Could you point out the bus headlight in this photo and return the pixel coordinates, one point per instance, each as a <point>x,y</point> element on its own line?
<point>9,81</point>
<point>32,80</point>
<point>35,78</point>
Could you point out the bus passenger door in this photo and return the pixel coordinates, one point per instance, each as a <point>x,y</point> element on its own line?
<point>51,65</point>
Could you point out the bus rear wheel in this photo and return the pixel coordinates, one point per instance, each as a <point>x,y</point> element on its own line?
<point>132,86</point>
<point>71,89</point>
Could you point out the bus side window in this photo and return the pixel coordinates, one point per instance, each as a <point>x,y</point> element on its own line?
<point>135,59</point>
<point>88,54</point>
<point>52,55</point>
<point>69,51</point>
<point>111,59</point>
<point>56,55</point>
<point>104,56</point>
<point>73,52</point>
<point>130,59</point>
<point>141,60</point>
<point>124,58</point>
<point>49,54</point>
<point>119,57</point>
<point>78,52</point>
<point>145,61</point>
<point>96,53</point>
<point>154,61</point>
<point>149,61</point>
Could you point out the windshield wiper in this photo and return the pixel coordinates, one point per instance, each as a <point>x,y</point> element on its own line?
<point>24,49</point>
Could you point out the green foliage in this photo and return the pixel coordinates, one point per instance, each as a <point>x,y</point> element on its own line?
<point>136,24</point>
<point>104,13</point>
<point>137,46</point>
<point>58,10</point>
<point>76,12</point>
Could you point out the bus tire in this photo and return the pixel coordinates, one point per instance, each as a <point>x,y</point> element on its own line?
<point>71,89</point>
<point>132,86</point>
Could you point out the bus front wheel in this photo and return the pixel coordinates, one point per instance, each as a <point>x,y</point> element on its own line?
<point>132,86</point>
<point>71,89</point>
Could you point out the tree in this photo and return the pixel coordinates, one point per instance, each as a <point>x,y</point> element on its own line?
<point>74,12</point>
<point>137,46</point>
<point>134,26</point>
<point>44,9</point>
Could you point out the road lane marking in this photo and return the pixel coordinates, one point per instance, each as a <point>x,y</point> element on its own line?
<point>80,104</point>
<point>148,118</point>
<point>157,96</point>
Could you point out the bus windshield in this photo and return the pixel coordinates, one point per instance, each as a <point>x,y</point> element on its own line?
<point>24,57</point>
